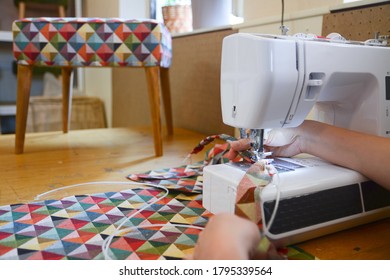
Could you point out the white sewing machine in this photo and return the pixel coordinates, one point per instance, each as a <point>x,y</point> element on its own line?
<point>270,81</point>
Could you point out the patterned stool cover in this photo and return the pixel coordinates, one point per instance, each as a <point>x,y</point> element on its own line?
<point>91,42</point>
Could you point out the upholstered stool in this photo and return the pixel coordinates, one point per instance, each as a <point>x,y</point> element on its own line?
<point>92,42</point>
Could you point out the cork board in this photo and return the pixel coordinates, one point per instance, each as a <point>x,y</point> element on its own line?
<point>359,24</point>
<point>195,82</point>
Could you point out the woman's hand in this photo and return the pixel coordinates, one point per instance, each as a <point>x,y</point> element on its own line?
<point>227,237</point>
<point>282,142</point>
<point>238,146</point>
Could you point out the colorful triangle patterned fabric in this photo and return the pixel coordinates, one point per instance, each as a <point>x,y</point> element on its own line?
<point>98,42</point>
<point>76,226</point>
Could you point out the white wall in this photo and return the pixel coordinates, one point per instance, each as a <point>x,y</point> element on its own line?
<point>134,8</point>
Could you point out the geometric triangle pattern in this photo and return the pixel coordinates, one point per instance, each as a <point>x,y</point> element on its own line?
<point>76,226</point>
<point>257,176</point>
<point>247,206</point>
<point>91,42</point>
<point>249,188</point>
<point>187,178</point>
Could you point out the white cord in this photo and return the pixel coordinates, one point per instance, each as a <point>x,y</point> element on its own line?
<point>277,199</point>
<point>106,243</point>
<point>233,189</point>
<point>39,196</point>
<point>108,240</point>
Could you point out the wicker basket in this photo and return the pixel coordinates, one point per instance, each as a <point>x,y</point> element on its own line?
<point>178,18</point>
<point>45,113</point>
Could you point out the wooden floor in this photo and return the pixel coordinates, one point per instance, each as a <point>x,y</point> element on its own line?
<point>54,160</point>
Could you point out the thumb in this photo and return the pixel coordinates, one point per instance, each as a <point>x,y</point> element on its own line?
<point>241,144</point>
<point>279,137</point>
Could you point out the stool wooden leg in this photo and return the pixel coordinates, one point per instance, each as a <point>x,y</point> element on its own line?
<point>22,101</point>
<point>67,89</point>
<point>61,11</point>
<point>22,10</point>
<point>154,100</point>
<point>166,96</point>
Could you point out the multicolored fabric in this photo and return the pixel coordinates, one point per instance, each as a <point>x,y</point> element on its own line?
<point>255,179</point>
<point>258,176</point>
<point>247,204</point>
<point>186,179</point>
<point>91,42</point>
<point>248,190</point>
<point>216,155</point>
<point>75,227</point>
